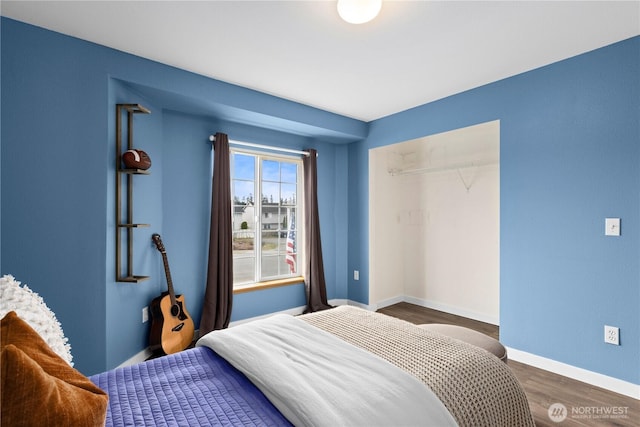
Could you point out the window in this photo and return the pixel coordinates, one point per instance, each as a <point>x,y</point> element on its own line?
<point>266,232</point>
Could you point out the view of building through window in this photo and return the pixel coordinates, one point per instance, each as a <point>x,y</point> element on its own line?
<point>265,227</point>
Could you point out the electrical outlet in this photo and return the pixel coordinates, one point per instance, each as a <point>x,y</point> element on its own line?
<point>145,314</point>
<point>356,275</point>
<point>611,335</point>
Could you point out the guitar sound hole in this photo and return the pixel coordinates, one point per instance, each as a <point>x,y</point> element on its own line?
<point>175,310</point>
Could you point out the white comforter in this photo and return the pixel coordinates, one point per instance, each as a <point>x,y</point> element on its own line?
<point>317,379</point>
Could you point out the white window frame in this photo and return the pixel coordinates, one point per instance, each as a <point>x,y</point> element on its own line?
<point>260,280</point>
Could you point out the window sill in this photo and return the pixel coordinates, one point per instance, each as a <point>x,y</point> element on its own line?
<point>267,285</point>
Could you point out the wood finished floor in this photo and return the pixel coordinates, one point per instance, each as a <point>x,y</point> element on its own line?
<point>542,388</point>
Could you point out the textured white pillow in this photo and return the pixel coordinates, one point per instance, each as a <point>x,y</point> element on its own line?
<point>31,308</point>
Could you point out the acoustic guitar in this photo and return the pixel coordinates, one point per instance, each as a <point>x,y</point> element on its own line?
<point>171,325</point>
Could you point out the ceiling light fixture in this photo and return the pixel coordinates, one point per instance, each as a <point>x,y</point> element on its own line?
<point>359,11</point>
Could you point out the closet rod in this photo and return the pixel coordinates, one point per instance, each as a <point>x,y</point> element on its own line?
<point>265,147</point>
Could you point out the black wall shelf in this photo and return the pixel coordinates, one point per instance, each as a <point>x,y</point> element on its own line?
<point>126,226</point>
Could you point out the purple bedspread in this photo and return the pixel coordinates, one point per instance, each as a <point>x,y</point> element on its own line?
<point>195,387</point>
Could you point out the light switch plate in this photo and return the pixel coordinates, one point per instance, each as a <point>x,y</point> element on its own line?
<point>612,226</point>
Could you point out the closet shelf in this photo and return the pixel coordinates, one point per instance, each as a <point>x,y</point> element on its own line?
<point>426,170</point>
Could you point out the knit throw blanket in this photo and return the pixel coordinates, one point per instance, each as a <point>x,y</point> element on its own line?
<point>475,386</point>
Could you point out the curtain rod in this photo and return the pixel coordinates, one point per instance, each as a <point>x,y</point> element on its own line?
<point>266,147</point>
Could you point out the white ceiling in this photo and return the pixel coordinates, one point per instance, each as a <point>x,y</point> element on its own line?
<point>414,52</point>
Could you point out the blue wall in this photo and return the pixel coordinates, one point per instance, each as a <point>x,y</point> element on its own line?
<point>569,158</point>
<point>58,182</point>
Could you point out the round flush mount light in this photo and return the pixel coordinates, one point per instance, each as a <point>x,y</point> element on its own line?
<point>359,11</point>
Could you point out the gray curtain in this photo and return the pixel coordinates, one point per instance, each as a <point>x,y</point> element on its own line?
<point>315,285</point>
<point>218,296</point>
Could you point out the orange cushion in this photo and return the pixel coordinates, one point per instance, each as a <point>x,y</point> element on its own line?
<point>40,388</point>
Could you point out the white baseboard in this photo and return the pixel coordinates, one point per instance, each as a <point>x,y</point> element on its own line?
<point>388,302</point>
<point>356,304</point>
<point>337,302</point>
<point>599,380</point>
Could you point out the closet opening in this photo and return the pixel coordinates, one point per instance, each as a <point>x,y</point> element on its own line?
<point>434,219</point>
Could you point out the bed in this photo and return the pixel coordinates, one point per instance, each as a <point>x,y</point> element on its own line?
<point>343,366</point>
<point>304,371</point>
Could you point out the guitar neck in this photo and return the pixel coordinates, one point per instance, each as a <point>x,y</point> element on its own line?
<point>169,281</point>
